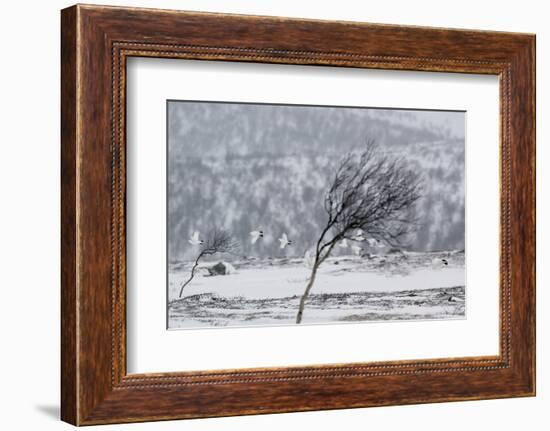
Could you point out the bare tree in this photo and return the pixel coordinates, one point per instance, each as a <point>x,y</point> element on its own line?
<point>370,191</point>
<point>217,241</point>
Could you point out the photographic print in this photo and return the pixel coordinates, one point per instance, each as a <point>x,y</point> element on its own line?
<point>298,214</point>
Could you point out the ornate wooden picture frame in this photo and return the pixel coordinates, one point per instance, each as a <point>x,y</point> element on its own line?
<point>96,41</point>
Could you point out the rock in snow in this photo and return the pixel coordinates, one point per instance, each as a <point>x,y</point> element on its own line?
<point>221,268</point>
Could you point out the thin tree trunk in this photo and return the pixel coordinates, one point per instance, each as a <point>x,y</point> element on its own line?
<point>306,293</point>
<point>319,259</point>
<point>192,275</point>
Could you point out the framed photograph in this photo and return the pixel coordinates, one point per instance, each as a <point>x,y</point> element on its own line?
<point>264,214</point>
<point>357,231</point>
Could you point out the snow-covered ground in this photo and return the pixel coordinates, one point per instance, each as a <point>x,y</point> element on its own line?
<point>397,286</point>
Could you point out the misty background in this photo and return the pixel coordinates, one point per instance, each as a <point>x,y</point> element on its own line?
<point>251,166</point>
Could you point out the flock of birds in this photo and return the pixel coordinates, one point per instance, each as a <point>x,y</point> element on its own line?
<point>359,237</point>
<point>284,241</point>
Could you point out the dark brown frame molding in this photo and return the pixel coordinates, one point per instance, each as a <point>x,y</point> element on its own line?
<point>95,43</point>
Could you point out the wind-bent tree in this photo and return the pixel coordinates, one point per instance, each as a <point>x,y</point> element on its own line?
<point>217,241</point>
<point>371,191</point>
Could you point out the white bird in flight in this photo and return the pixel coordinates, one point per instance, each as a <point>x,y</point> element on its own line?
<point>356,250</point>
<point>343,243</point>
<point>255,234</point>
<point>195,239</point>
<point>309,259</point>
<point>373,242</point>
<point>284,241</point>
<point>359,235</point>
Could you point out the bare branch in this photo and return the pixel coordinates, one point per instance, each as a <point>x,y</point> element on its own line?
<point>217,241</point>
<point>371,191</point>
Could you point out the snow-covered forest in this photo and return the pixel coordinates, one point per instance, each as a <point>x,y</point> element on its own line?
<point>242,167</point>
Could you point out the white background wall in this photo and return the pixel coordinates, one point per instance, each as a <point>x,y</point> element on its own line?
<point>29,214</point>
